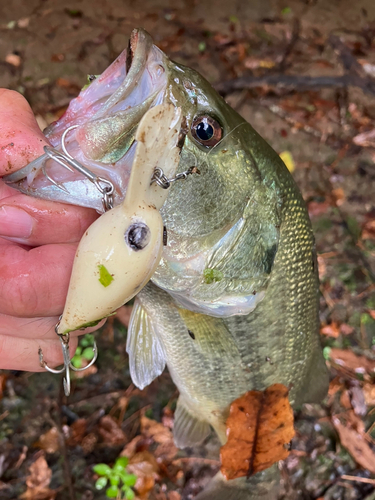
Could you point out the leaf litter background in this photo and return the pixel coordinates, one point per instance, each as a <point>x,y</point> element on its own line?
<point>303,73</point>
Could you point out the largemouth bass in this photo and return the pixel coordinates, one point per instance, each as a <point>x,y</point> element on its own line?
<point>233,304</point>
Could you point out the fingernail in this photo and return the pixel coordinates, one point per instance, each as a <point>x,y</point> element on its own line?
<point>15,222</point>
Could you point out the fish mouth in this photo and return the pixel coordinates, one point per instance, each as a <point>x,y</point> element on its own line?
<point>98,129</point>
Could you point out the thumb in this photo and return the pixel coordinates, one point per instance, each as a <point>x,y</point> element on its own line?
<point>21,140</point>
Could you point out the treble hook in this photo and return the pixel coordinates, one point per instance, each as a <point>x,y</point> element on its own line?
<point>64,339</point>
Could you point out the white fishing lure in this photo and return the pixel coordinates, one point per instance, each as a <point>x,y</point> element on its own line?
<point>120,251</point>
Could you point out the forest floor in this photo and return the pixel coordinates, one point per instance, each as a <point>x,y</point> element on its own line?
<point>269,58</point>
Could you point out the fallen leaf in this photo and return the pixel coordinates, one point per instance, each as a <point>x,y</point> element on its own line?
<point>368,231</point>
<point>315,208</point>
<point>58,57</point>
<point>366,139</point>
<point>357,399</point>
<point>145,467</point>
<point>331,330</point>
<point>338,196</point>
<point>369,394</point>
<point>259,426</point>
<point>49,441</point>
<point>287,158</point>
<point>174,495</point>
<point>356,445</point>
<point>24,22</point>
<point>110,432</point>
<point>38,481</point>
<point>160,434</point>
<point>346,329</point>
<point>3,381</point>
<point>155,430</point>
<point>350,361</point>
<point>77,432</point>
<point>13,59</point>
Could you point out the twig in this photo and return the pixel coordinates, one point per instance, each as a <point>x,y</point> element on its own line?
<point>66,465</point>
<point>354,76</point>
<point>358,479</point>
<point>297,83</point>
<point>290,46</point>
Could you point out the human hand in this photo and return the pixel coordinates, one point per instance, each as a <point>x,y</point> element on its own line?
<point>38,240</point>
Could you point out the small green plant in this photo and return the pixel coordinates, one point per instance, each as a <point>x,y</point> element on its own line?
<point>84,351</point>
<point>120,481</point>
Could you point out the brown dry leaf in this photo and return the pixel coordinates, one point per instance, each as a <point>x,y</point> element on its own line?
<point>174,495</point>
<point>350,361</point>
<point>338,196</point>
<point>24,22</point>
<point>77,432</point>
<point>145,467</point>
<point>259,426</point>
<point>123,315</point>
<point>369,393</point>
<point>356,445</point>
<point>110,431</point>
<point>50,441</point>
<point>155,430</point>
<point>368,231</point>
<point>331,330</point>
<point>3,382</point>
<point>13,59</point>
<point>38,481</point>
<point>130,448</point>
<point>315,209</point>
<point>366,139</point>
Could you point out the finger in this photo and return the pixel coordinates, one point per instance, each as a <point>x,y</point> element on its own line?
<point>35,222</point>
<point>23,354</point>
<point>34,282</point>
<point>21,139</point>
<point>40,328</point>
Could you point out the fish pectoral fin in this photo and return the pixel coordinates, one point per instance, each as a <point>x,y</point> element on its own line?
<point>187,429</point>
<point>146,353</point>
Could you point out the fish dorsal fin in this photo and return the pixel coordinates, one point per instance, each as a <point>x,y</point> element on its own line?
<point>187,429</point>
<point>146,353</point>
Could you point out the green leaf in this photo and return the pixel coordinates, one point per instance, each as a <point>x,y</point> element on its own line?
<point>286,10</point>
<point>233,19</point>
<point>212,275</point>
<point>121,462</point>
<point>105,277</point>
<point>130,479</point>
<point>77,361</point>
<point>88,353</point>
<point>327,353</point>
<point>353,227</point>
<point>202,46</point>
<point>101,483</point>
<point>114,480</point>
<point>102,469</point>
<point>129,494</point>
<point>111,492</point>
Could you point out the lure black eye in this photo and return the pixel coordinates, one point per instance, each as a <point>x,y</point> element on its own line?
<point>138,236</point>
<point>207,131</point>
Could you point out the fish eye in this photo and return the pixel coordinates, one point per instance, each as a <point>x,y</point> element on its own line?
<point>206,130</point>
<point>138,235</point>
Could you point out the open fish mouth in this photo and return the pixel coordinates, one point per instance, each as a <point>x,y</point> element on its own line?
<point>98,129</point>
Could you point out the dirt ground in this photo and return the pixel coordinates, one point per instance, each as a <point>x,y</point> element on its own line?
<point>267,57</point>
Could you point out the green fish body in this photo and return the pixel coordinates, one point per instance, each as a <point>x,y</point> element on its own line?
<point>233,304</point>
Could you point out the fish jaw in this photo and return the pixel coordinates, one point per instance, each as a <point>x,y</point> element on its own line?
<point>103,121</point>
